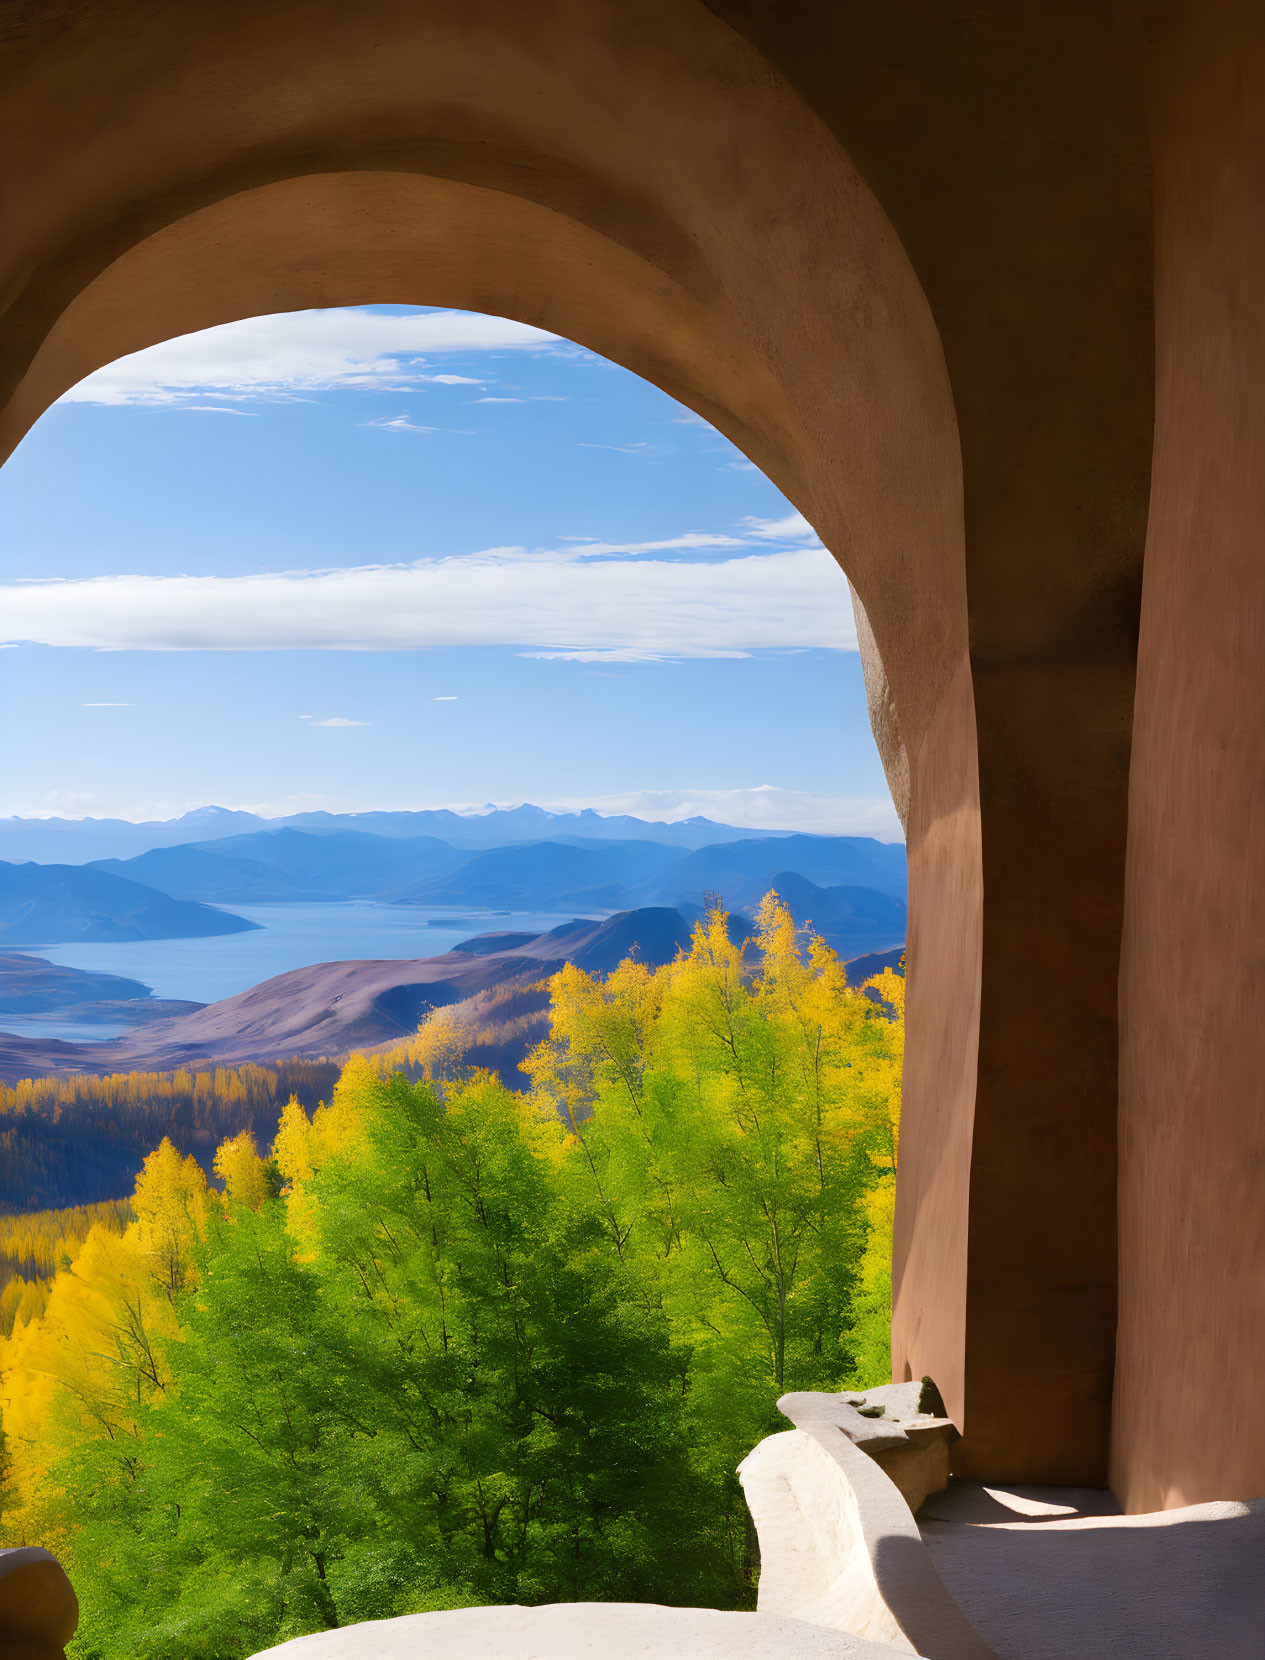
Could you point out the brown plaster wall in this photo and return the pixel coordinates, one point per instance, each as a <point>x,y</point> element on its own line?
<point>1189,1423</point>
<point>1007,143</point>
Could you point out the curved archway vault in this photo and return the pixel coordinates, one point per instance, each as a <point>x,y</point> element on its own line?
<point>632,174</point>
<point>1079,189</point>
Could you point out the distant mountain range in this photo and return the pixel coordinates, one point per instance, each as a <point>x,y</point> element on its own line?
<point>851,888</point>
<point>856,902</point>
<point>845,884</point>
<point>289,865</point>
<point>47,904</point>
<point>743,872</point>
<point>80,841</point>
<point>550,876</point>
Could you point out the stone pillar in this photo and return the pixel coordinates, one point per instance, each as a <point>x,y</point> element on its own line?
<point>1189,1422</point>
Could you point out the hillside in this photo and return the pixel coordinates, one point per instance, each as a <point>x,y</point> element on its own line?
<point>851,888</point>
<point>33,989</point>
<point>28,985</point>
<point>78,1135</point>
<point>861,969</point>
<point>53,904</point>
<point>330,1008</point>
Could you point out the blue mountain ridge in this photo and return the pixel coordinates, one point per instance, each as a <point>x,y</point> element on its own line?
<point>80,841</point>
<point>47,904</point>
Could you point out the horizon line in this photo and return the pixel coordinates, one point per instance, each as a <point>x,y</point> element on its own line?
<point>461,810</point>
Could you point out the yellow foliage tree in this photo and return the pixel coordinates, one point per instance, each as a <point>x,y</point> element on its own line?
<point>735,1113</point>
<point>96,1354</point>
<point>239,1166</point>
<point>170,1204</point>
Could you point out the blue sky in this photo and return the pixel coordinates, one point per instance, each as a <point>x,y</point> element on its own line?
<point>392,557</point>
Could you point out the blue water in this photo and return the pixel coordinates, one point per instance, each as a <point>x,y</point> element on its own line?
<point>64,1031</point>
<point>290,936</point>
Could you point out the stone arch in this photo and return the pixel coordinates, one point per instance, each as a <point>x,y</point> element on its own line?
<point>632,174</point>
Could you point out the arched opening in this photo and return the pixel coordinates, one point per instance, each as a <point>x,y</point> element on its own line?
<point>651,206</point>
<point>842,1265</point>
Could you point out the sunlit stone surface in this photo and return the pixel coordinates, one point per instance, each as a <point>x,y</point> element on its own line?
<point>585,1631</point>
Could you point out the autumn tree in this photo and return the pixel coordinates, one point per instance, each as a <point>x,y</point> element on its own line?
<point>734,1116</point>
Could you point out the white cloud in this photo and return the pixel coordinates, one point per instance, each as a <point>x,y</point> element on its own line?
<point>339,720</point>
<point>793,528</point>
<point>698,540</point>
<point>620,449</point>
<point>451,697</point>
<point>496,400</point>
<point>566,602</point>
<point>217,409</point>
<point>107,706</point>
<point>303,351</point>
<point>401,423</point>
<point>763,808</point>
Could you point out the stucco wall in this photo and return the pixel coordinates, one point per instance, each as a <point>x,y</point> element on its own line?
<point>1189,1424</point>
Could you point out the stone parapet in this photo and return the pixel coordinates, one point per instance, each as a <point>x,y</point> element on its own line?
<point>839,1545</point>
<point>900,1425</point>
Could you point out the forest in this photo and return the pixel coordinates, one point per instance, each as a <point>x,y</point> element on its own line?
<point>446,1343</point>
<point>34,1246</point>
<point>75,1141</point>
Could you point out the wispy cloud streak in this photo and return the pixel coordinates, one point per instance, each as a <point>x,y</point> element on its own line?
<point>552,603</point>
<point>298,352</point>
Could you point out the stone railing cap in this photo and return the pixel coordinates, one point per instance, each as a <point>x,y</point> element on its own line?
<point>873,1419</point>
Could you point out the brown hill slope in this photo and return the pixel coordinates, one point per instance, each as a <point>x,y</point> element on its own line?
<point>331,1008</point>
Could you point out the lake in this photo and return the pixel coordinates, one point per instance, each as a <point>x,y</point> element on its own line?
<point>290,936</point>
<point>64,1031</point>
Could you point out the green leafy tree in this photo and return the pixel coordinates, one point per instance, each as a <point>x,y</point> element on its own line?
<point>537,1397</point>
